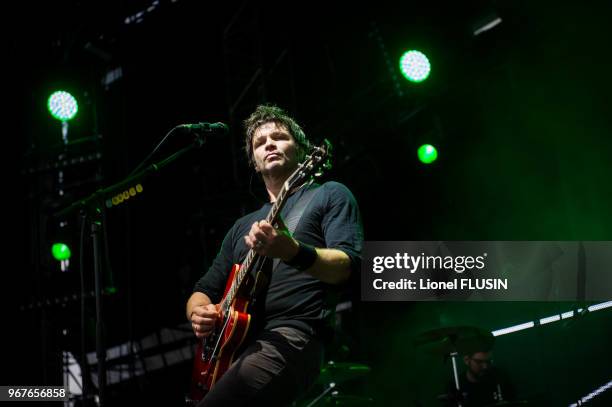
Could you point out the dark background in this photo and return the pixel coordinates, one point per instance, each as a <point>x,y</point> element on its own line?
<point>519,116</point>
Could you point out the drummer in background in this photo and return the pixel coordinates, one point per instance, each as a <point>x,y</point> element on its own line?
<point>481,384</point>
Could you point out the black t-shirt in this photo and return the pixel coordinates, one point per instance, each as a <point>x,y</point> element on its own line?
<point>295,298</point>
<point>492,388</point>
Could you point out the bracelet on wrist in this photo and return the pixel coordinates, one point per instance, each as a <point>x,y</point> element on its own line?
<point>305,257</point>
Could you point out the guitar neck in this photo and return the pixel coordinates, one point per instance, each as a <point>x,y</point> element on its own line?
<point>252,256</point>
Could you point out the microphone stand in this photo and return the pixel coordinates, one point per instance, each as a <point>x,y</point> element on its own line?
<point>93,207</point>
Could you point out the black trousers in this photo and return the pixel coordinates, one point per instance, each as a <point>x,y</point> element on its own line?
<point>276,368</point>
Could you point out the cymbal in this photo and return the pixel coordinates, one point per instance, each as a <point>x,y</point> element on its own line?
<point>340,372</point>
<point>460,339</point>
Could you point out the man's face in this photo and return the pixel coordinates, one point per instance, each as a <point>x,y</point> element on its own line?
<point>479,363</point>
<point>274,149</point>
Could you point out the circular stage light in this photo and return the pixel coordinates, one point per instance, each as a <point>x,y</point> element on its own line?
<point>415,66</point>
<point>62,105</point>
<point>60,251</point>
<point>427,153</point>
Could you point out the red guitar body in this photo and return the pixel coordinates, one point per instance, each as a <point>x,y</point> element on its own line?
<point>215,353</point>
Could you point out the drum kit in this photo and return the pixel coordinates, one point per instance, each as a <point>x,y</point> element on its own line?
<point>330,380</point>
<point>450,343</point>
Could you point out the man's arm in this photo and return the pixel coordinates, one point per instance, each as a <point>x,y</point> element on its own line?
<point>202,314</point>
<point>201,310</point>
<point>197,299</point>
<point>331,266</point>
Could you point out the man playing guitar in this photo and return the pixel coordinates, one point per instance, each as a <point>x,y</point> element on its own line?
<point>282,354</point>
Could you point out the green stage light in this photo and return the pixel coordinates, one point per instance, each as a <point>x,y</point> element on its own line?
<point>60,251</point>
<point>415,66</point>
<point>62,105</point>
<point>427,153</point>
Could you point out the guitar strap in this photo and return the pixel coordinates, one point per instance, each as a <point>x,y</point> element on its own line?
<point>296,212</point>
<point>291,221</point>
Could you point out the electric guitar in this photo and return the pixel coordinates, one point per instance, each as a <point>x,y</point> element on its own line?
<point>215,353</point>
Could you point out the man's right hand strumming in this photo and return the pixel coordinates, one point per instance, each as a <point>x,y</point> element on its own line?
<point>203,319</point>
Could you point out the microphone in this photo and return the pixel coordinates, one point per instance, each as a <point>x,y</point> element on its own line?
<point>218,127</point>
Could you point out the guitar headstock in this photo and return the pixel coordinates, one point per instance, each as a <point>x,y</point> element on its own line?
<point>316,163</point>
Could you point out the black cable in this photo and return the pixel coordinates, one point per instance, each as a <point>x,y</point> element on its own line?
<point>147,158</point>
<point>107,265</point>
